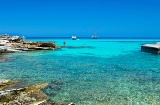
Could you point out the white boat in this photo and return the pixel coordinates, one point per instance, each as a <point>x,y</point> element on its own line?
<point>74,38</point>
<point>95,37</point>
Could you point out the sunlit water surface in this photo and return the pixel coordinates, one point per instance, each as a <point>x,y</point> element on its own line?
<point>90,72</point>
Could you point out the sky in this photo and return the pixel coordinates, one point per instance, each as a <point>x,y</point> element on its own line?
<point>64,18</point>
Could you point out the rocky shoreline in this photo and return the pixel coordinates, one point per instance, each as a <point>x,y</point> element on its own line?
<point>17,93</point>
<point>10,94</point>
<point>27,46</point>
<point>10,44</point>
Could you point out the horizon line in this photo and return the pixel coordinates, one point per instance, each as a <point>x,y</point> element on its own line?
<point>99,37</point>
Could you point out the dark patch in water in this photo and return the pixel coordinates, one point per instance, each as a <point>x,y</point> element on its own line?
<point>53,88</point>
<point>4,58</point>
<point>155,71</point>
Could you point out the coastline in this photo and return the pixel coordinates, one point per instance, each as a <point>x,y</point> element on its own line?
<point>80,71</point>
<point>9,93</point>
<point>11,44</point>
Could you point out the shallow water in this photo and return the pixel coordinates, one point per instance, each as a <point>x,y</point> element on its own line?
<point>103,72</point>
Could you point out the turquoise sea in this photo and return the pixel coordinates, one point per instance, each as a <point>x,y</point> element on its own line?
<point>90,71</point>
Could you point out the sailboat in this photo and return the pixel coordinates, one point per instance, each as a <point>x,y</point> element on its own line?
<point>94,36</point>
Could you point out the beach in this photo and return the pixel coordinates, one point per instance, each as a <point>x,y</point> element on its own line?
<point>90,71</point>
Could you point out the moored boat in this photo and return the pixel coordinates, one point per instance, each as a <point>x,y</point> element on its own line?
<point>95,37</point>
<point>74,38</point>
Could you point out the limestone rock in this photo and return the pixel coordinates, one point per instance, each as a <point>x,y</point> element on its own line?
<point>32,95</point>
<point>36,87</point>
<point>21,96</point>
<point>5,83</point>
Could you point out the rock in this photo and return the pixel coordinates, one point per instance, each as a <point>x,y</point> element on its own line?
<point>47,44</point>
<point>54,87</point>
<point>36,87</point>
<point>51,93</point>
<point>38,95</point>
<point>32,95</point>
<point>39,102</point>
<point>5,83</point>
<point>56,82</point>
<point>25,95</point>
<point>16,85</point>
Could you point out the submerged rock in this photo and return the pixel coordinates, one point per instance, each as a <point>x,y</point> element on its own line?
<point>32,95</point>
<point>36,87</point>
<point>25,96</point>
<point>2,58</point>
<point>53,88</point>
<point>56,82</point>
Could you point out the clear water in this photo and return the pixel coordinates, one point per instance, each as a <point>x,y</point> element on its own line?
<point>103,72</point>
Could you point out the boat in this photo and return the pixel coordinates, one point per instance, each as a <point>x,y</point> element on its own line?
<point>74,38</point>
<point>95,37</point>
